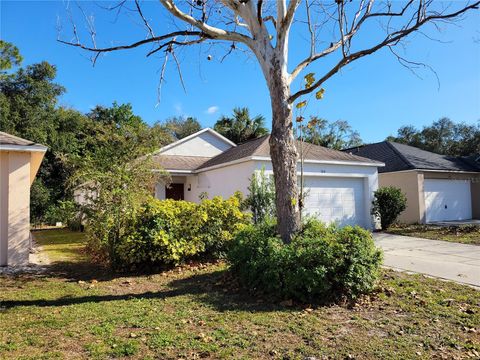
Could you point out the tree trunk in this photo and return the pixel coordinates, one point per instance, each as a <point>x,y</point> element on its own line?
<point>284,154</point>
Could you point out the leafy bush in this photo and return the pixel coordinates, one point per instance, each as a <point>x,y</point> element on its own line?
<point>388,204</point>
<point>223,220</point>
<point>261,198</point>
<point>115,198</point>
<point>167,232</point>
<point>64,211</point>
<point>162,233</point>
<point>319,265</point>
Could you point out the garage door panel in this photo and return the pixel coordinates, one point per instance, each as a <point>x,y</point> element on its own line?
<point>338,200</point>
<point>447,200</point>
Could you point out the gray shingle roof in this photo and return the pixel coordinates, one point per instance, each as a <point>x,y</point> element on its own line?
<point>7,139</point>
<point>261,147</point>
<point>179,162</point>
<point>398,157</point>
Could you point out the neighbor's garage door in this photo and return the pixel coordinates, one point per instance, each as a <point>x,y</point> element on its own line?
<point>339,200</point>
<point>447,200</point>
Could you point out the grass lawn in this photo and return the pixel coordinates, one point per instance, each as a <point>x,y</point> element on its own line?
<point>61,245</point>
<point>460,234</point>
<point>79,311</point>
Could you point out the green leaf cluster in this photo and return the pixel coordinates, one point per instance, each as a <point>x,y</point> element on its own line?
<point>321,264</point>
<point>261,197</point>
<point>442,137</point>
<point>240,127</point>
<point>167,232</point>
<point>113,198</point>
<point>180,127</point>
<point>336,135</point>
<point>388,203</point>
<point>29,108</point>
<point>9,56</point>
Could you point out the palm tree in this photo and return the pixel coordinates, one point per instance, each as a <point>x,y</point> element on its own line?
<point>240,127</point>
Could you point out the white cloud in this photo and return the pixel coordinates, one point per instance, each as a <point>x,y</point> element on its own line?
<point>178,108</point>
<point>212,110</point>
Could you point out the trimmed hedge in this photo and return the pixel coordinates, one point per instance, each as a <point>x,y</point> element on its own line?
<point>167,232</point>
<point>321,263</point>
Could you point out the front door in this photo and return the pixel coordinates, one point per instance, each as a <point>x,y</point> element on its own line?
<point>174,192</point>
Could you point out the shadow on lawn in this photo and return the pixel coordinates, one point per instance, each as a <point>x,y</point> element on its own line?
<point>208,288</point>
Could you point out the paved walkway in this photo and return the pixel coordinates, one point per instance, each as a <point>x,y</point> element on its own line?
<point>442,259</point>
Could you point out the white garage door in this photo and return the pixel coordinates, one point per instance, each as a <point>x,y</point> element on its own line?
<point>339,200</point>
<point>447,200</point>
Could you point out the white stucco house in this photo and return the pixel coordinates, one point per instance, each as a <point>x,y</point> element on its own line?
<point>339,186</point>
<point>20,160</point>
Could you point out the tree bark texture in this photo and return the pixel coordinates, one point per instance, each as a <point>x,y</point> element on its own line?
<point>283,153</point>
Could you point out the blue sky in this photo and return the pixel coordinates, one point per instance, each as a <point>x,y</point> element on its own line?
<point>376,95</point>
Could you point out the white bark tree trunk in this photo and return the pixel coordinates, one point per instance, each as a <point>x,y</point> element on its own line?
<point>283,151</point>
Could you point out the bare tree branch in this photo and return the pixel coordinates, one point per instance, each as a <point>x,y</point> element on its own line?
<point>259,11</point>
<point>412,65</point>
<point>212,31</point>
<point>162,77</point>
<point>139,9</point>
<point>391,39</point>
<point>310,28</point>
<point>135,44</point>
<point>344,38</point>
<point>175,42</point>
<point>284,22</point>
<point>179,70</point>
<point>272,19</point>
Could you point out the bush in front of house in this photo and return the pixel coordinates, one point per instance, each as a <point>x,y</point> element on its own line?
<point>167,232</point>
<point>222,220</point>
<point>261,197</point>
<point>163,233</point>
<point>321,264</point>
<point>388,204</point>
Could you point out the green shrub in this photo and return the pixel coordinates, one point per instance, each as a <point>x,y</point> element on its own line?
<point>223,219</point>
<point>261,197</point>
<point>167,232</point>
<point>63,211</point>
<point>162,233</point>
<point>321,263</point>
<point>388,204</point>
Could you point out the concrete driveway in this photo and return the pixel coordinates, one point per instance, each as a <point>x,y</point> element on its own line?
<point>442,259</point>
<point>456,222</point>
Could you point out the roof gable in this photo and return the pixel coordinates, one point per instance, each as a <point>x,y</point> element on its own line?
<point>400,157</point>
<point>204,143</point>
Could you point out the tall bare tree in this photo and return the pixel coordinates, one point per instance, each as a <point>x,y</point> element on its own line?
<point>261,27</point>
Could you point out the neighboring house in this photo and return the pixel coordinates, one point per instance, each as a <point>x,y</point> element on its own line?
<point>438,187</point>
<point>339,186</point>
<point>20,160</point>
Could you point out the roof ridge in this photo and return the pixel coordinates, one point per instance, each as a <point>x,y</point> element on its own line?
<point>396,151</point>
